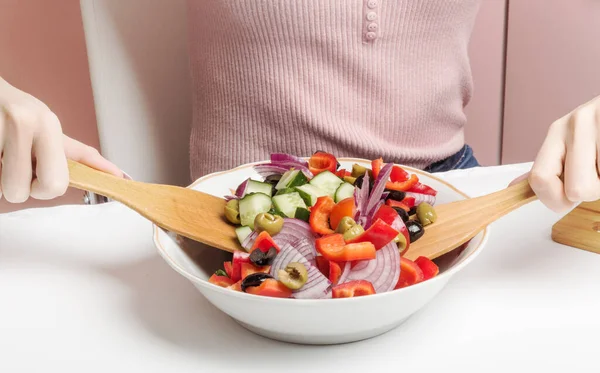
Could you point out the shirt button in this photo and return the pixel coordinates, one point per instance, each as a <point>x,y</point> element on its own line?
<point>372,4</point>
<point>372,27</point>
<point>371,35</point>
<point>371,16</point>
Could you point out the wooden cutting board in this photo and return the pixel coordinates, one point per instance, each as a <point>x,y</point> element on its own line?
<point>580,228</point>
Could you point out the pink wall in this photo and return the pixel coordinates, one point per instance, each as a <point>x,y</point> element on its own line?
<point>43,52</point>
<point>484,112</point>
<point>553,61</point>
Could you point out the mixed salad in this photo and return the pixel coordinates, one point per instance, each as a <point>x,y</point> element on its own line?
<point>312,230</point>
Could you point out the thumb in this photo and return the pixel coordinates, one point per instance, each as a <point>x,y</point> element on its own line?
<point>89,156</point>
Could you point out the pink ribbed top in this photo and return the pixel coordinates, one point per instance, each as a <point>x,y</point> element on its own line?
<point>361,78</point>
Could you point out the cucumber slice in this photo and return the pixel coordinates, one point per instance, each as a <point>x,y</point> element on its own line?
<point>242,233</point>
<point>310,193</point>
<point>291,179</point>
<point>302,214</point>
<point>327,182</point>
<point>259,187</point>
<point>285,191</point>
<point>274,212</point>
<point>288,203</point>
<point>252,205</point>
<point>345,190</point>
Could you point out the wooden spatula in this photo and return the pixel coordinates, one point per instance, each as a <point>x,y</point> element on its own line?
<point>460,221</point>
<point>189,213</point>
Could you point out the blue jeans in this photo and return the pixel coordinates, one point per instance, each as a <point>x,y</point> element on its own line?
<point>461,160</point>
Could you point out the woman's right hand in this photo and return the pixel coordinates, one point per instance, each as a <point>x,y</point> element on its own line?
<point>34,151</point>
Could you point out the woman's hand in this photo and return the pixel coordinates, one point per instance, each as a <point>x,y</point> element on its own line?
<point>566,169</point>
<point>34,150</point>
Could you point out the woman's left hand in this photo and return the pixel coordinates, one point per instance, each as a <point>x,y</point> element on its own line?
<point>566,169</point>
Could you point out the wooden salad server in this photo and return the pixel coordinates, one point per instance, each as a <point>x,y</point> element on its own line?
<point>189,213</point>
<point>458,222</point>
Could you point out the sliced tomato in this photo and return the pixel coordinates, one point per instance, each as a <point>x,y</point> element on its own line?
<point>376,166</point>
<point>429,268</point>
<point>410,273</point>
<point>222,281</point>
<point>343,173</point>
<point>322,161</point>
<point>270,288</point>
<point>334,248</point>
<point>319,215</point>
<point>237,286</point>
<point>389,215</point>
<point>403,186</point>
<point>351,289</point>
<point>228,268</point>
<point>392,203</point>
<point>264,242</point>
<point>335,272</point>
<point>409,201</point>
<point>423,189</point>
<point>239,257</point>
<point>379,234</point>
<point>345,207</point>
<point>249,268</point>
<point>398,174</point>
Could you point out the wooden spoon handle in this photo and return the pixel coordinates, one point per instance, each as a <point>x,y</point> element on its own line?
<point>88,179</point>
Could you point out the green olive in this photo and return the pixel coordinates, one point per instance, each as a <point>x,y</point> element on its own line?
<point>355,231</point>
<point>426,214</point>
<point>272,224</point>
<point>350,179</point>
<point>232,211</point>
<point>345,224</point>
<point>400,240</point>
<point>358,170</point>
<point>294,276</point>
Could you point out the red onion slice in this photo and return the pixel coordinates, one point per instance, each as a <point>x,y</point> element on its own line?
<point>383,271</point>
<point>420,198</point>
<point>265,170</point>
<point>317,286</point>
<point>295,232</point>
<point>229,198</point>
<point>241,189</point>
<point>379,187</point>
<point>283,157</point>
<point>361,197</point>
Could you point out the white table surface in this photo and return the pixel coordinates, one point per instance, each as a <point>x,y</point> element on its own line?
<point>82,289</point>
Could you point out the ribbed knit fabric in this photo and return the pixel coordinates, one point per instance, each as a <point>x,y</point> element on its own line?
<point>360,78</point>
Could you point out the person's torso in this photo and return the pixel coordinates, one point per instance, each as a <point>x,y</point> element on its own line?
<point>362,78</point>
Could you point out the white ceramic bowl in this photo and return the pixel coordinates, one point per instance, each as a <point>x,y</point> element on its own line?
<point>327,321</point>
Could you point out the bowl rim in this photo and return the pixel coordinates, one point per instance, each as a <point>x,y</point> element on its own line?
<point>207,285</point>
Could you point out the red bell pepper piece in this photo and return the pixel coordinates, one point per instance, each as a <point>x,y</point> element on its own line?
<point>422,189</point>
<point>429,268</point>
<point>410,273</point>
<point>249,268</point>
<point>398,174</point>
<point>222,281</point>
<point>322,161</point>
<point>236,287</point>
<point>342,172</point>
<point>335,272</point>
<point>389,215</point>
<point>239,257</point>
<point>409,201</point>
<point>334,248</point>
<point>351,289</point>
<point>319,215</point>
<point>323,265</point>
<point>264,242</point>
<point>402,205</point>
<point>403,186</point>
<point>379,234</point>
<point>270,288</point>
<point>228,268</point>
<point>376,166</point>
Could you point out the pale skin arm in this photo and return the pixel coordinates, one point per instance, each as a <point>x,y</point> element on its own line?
<point>35,151</point>
<point>566,169</point>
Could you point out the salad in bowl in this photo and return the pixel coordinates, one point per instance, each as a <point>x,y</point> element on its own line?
<point>322,245</point>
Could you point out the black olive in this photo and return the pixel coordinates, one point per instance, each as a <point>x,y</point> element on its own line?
<point>359,181</point>
<point>402,212</point>
<point>338,166</point>
<point>261,259</point>
<point>254,279</point>
<point>273,180</point>
<point>413,211</point>
<point>415,230</point>
<point>396,195</point>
